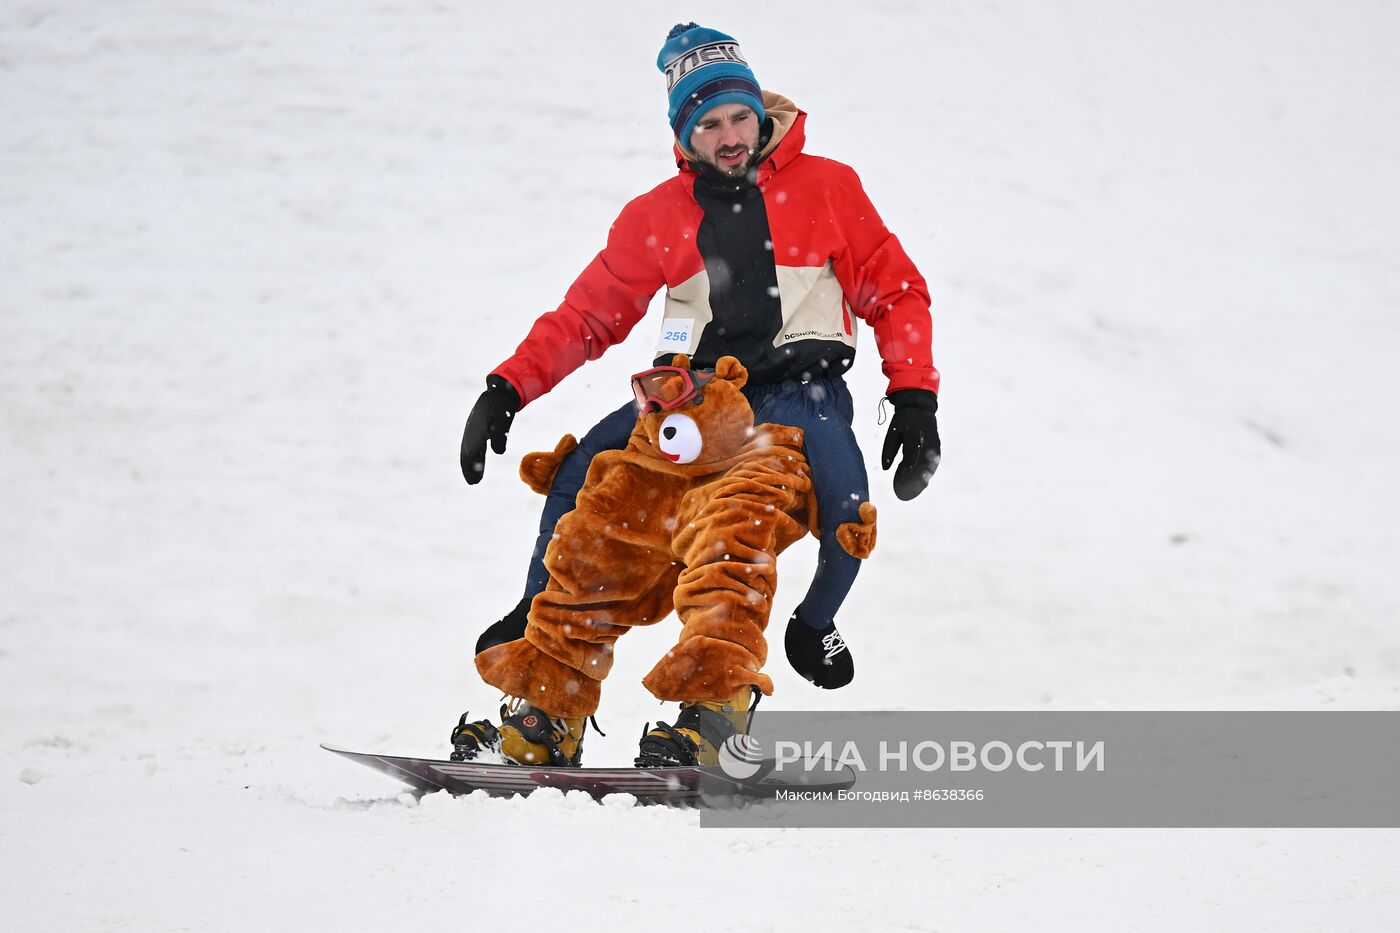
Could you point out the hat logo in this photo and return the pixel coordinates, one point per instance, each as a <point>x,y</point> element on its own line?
<point>694,59</point>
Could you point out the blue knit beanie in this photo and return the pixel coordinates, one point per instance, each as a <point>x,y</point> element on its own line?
<point>704,69</point>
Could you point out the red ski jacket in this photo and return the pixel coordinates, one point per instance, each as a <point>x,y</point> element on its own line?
<point>774,271</point>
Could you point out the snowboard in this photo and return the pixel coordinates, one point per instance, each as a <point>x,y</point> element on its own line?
<point>684,786</point>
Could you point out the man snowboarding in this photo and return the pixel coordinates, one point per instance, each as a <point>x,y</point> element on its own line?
<point>769,255</point>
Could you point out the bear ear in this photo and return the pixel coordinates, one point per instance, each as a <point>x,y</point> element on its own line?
<point>731,370</point>
<point>681,360</point>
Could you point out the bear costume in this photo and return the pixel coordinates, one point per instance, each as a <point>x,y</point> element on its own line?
<point>690,515</point>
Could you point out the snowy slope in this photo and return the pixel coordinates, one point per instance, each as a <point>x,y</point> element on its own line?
<point>255,260</point>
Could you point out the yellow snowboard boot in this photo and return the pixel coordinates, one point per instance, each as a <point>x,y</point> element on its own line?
<point>700,731</point>
<point>526,736</point>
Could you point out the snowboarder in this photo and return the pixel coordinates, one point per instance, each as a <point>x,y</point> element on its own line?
<point>769,255</point>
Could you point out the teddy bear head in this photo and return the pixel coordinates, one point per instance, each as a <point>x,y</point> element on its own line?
<point>692,415</point>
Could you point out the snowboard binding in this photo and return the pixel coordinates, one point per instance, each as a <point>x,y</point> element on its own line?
<point>526,736</point>
<point>470,739</point>
<point>699,733</point>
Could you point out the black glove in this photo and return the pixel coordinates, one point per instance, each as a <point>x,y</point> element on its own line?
<point>489,421</point>
<point>820,655</point>
<point>914,428</point>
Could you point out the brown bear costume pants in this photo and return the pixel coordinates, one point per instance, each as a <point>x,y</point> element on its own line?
<point>648,535</point>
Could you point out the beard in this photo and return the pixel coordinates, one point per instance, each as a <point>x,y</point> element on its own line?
<point>736,170</point>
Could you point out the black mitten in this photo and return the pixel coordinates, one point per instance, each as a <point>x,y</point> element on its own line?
<point>913,429</point>
<point>820,655</point>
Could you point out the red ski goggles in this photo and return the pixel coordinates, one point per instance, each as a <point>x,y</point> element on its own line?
<point>663,388</point>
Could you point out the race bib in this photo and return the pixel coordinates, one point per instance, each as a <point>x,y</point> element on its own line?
<point>675,335</point>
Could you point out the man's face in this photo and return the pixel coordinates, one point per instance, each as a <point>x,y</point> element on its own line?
<point>726,137</point>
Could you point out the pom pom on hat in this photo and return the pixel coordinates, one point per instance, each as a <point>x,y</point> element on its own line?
<point>703,69</point>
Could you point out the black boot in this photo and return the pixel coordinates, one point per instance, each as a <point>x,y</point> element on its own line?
<point>820,655</point>
<point>508,629</point>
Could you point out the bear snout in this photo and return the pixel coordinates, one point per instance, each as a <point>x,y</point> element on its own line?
<point>679,438</point>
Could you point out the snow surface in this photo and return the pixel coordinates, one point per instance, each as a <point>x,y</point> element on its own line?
<point>255,260</point>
